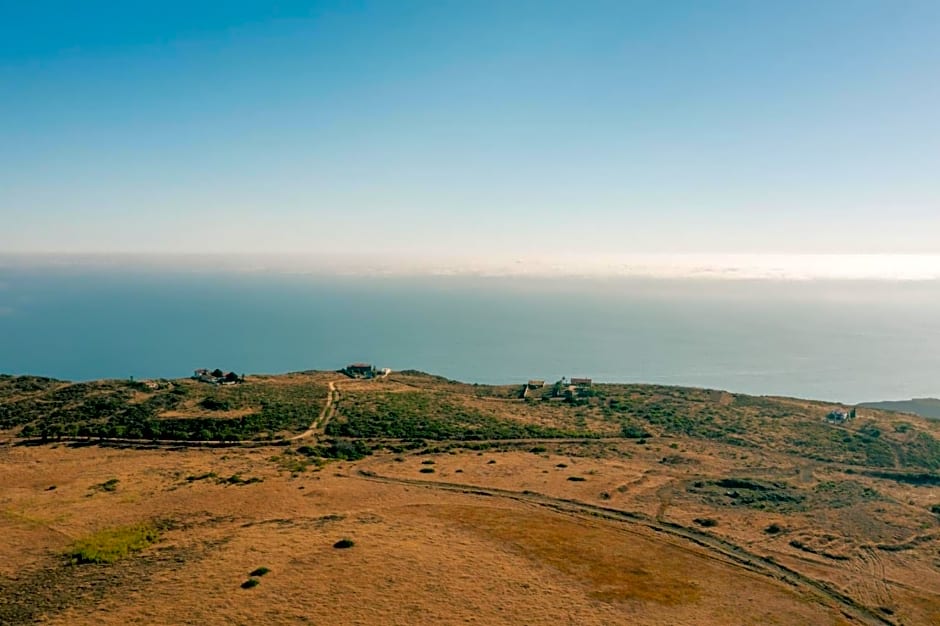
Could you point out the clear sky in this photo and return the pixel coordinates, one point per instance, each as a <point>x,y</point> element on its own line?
<point>475,129</point>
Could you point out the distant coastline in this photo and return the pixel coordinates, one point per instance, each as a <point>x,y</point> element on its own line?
<point>924,407</point>
<point>723,267</point>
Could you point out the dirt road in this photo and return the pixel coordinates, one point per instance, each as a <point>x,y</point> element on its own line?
<point>823,592</point>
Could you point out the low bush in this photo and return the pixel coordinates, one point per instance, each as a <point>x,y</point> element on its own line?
<point>344,543</point>
<point>251,582</point>
<point>261,571</point>
<point>113,544</point>
<point>108,485</point>
<point>236,479</point>
<point>204,476</point>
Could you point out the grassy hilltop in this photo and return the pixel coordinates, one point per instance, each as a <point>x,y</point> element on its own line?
<point>435,501</point>
<point>414,405</point>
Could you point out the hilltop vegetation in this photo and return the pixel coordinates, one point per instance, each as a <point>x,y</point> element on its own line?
<point>183,409</point>
<point>413,405</point>
<point>416,405</point>
<point>431,415</point>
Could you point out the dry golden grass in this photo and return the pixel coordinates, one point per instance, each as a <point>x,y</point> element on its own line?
<point>536,550</point>
<point>421,556</point>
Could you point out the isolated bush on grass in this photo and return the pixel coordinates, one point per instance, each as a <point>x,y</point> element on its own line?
<point>113,544</point>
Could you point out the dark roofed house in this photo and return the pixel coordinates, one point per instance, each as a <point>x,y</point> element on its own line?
<point>536,384</point>
<point>582,382</point>
<point>360,370</point>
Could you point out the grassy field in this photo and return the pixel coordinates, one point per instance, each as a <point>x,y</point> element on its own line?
<point>434,501</point>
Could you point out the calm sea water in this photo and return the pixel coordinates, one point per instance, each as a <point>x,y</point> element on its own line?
<point>849,341</point>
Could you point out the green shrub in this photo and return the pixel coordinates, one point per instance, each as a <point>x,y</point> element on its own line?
<point>706,522</point>
<point>108,485</point>
<point>214,404</point>
<point>251,582</point>
<point>261,571</point>
<point>426,470</point>
<point>632,431</point>
<point>204,476</point>
<point>577,479</point>
<point>113,544</point>
<point>344,543</point>
<point>236,479</point>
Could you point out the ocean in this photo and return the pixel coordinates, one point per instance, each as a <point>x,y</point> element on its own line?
<point>846,341</point>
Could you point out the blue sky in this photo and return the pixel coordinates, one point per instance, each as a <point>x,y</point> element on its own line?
<point>472,129</point>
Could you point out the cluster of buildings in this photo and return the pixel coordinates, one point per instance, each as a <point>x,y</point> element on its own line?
<point>217,377</point>
<point>364,370</point>
<point>840,416</point>
<point>563,389</point>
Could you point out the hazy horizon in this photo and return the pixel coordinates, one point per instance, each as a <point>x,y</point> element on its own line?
<point>653,266</point>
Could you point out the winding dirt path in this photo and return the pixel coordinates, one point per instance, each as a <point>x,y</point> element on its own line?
<point>823,592</point>
<point>318,426</point>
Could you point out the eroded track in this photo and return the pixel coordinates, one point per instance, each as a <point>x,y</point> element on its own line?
<point>821,591</point>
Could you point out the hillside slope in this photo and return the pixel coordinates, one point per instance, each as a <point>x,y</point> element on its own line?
<point>633,504</point>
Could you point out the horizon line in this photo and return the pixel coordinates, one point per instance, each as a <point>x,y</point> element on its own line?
<point>717,266</point>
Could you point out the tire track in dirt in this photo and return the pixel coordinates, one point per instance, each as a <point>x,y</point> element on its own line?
<point>823,592</point>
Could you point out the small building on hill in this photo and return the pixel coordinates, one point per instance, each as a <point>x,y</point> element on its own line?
<point>582,382</point>
<point>360,370</point>
<point>217,377</point>
<point>535,384</point>
<point>840,415</point>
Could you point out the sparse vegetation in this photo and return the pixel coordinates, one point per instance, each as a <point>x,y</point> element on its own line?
<point>51,410</point>
<point>112,544</point>
<point>338,449</point>
<point>425,415</point>
<point>344,543</point>
<point>706,522</point>
<point>204,476</point>
<point>755,494</point>
<point>260,571</point>
<point>236,479</point>
<point>109,485</point>
<point>250,583</point>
